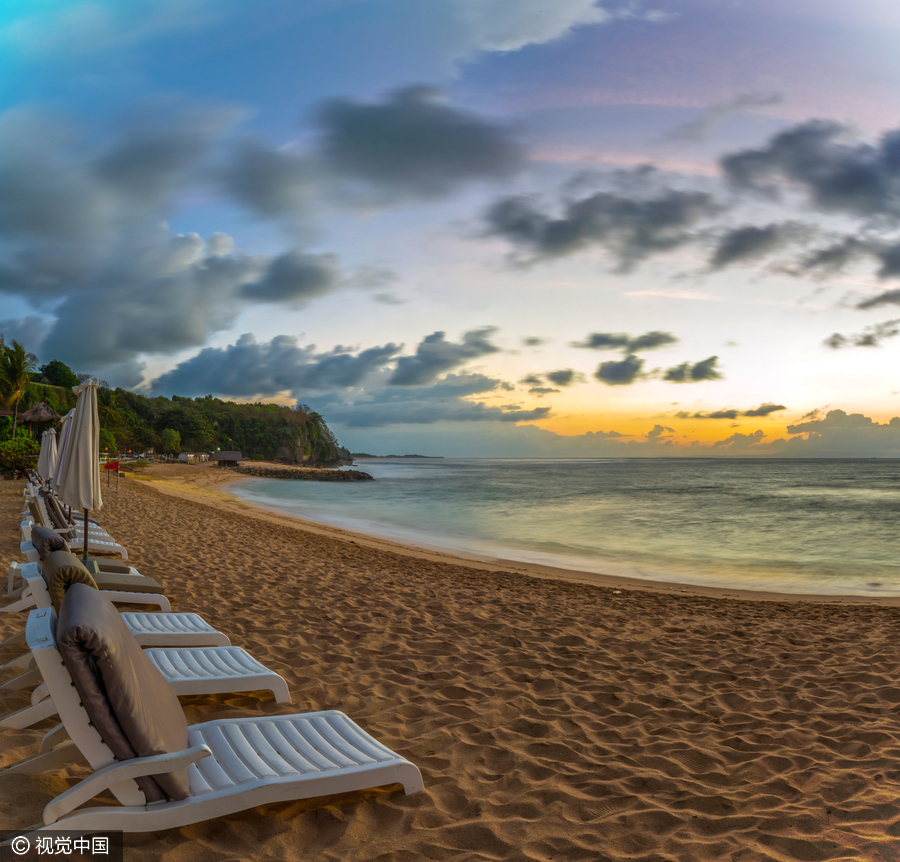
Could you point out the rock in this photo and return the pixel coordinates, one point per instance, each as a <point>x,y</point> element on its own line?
<point>310,474</point>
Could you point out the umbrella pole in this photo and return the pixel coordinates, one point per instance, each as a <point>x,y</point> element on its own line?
<point>85,536</point>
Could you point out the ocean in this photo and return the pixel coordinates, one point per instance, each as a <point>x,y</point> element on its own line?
<point>796,526</point>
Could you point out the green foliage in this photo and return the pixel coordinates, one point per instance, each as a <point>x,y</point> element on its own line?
<point>107,443</point>
<point>19,454</point>
<point>57,373</point>
<point>16,367</point>
<point>6,423</point>
<point>170,441</point>
<point>136,423</point>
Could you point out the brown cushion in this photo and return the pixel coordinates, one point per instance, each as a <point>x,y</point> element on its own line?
<point>128,583</point>
<point>60,570</point>
<point>46,541</point>
<point>54,511</point>
<point>113,567</point>
<point>128,700</point>
<point>35,511</point>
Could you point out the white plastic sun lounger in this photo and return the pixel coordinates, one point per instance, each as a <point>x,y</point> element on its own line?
<point>216,768</point>
<point>96,542</point>
<point>32,592</point>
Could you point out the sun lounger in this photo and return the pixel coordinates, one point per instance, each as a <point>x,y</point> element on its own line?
<point>125,720</point>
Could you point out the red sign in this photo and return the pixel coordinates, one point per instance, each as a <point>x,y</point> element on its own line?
<point>111,465</point>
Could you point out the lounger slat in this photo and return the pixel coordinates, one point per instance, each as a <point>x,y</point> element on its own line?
<point>275,735</point>
<point>224,753</point>
<point>304,746</point>
<point>237,736</point>
<point>341,743</point>
<point>321,742</point>
<point>362,740</point>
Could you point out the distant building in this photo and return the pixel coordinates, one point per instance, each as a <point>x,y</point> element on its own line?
<point>193,457</point>
<point>227,459</point>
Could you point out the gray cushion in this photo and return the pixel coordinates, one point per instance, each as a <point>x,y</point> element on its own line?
<point>127,699</point>
<point>46,541</point>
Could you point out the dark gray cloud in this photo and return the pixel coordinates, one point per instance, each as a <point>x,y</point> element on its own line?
<point>751,242</point>
<point>621,373</point>
<point>693,373</point>
<point>732,413</point>
<point>294,277</point>
<point>29,331</point>
<point>710,117</point>
<point>445,400</point>
<point>531,380</point>
<point>621,341</point>
<point>889,297</point>
<point>872,336</point>
<point>413,144</point>
<point>534,341</point>
<point>821,158</point>
<point>270,183</point>
<point>435,355</point>
<point>564,377</point>
<point>249,368</point>
<point>631,229</point>
<point>540,391</point>
<point>764,409</point>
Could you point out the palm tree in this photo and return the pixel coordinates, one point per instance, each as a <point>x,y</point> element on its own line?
<point>16,368</point>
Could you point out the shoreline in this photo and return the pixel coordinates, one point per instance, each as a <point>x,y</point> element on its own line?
<point>223,498</point>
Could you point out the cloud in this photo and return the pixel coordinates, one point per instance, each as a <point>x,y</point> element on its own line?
<point>435,355</point>
<point>752,242</point>
<point>540,391</point>
<point>841,435</point>
<point>249,368</point>
<point>446,400</point>
<point>413,145</point>
<point>658,432</point>
<point>821,158</point>
<point>534,341</point>
<point>621,341</point>
<point>497,25</point>
<point>631,229</point>
<point>732,413</point>
<point>29,331</point>
<point>621,373</point>
<point>710,117</point>
<point>872,336</point>
<point>79,28</point>
<point>294,277</point>
<point>889,297</point>
<point>270,183</point>
<point>692,373</point>
<point>565,377</point>
<point>764,410</point>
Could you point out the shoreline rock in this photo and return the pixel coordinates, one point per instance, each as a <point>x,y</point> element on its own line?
<point>310,474</point>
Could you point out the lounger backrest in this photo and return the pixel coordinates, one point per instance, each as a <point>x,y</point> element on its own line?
<point>54,510</point>
<point>128,700</point>
<point>46,541</point>
<point>36,514</point>
<point>60,570</point>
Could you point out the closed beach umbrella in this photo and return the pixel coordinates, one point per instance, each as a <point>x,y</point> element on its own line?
<point>78,476</point>
<point>62,446</point>
<point>47,459</point>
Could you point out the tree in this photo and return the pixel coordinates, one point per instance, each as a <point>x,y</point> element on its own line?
<point>57,373</point>
<point>16,368</point>
<point>170,442</point>
<point>107,442</point>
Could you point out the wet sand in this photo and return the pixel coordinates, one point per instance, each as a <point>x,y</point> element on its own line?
<point>552,718</point>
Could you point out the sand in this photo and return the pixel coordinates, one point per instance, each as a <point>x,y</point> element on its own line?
<point>551,719</point>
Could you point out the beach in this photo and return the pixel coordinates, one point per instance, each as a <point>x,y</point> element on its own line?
<point>553,717</point>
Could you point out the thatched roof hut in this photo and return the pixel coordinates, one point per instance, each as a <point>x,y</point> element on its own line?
<point>41,412</point>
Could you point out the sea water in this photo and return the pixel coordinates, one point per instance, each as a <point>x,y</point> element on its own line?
<point>798,526</point>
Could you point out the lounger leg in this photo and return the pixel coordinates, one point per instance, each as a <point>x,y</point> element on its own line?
<point>20,682</point>
<point>53,738</point>
<point>49,760</point>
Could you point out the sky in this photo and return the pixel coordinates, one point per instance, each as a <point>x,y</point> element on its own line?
<point>476,228</point>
